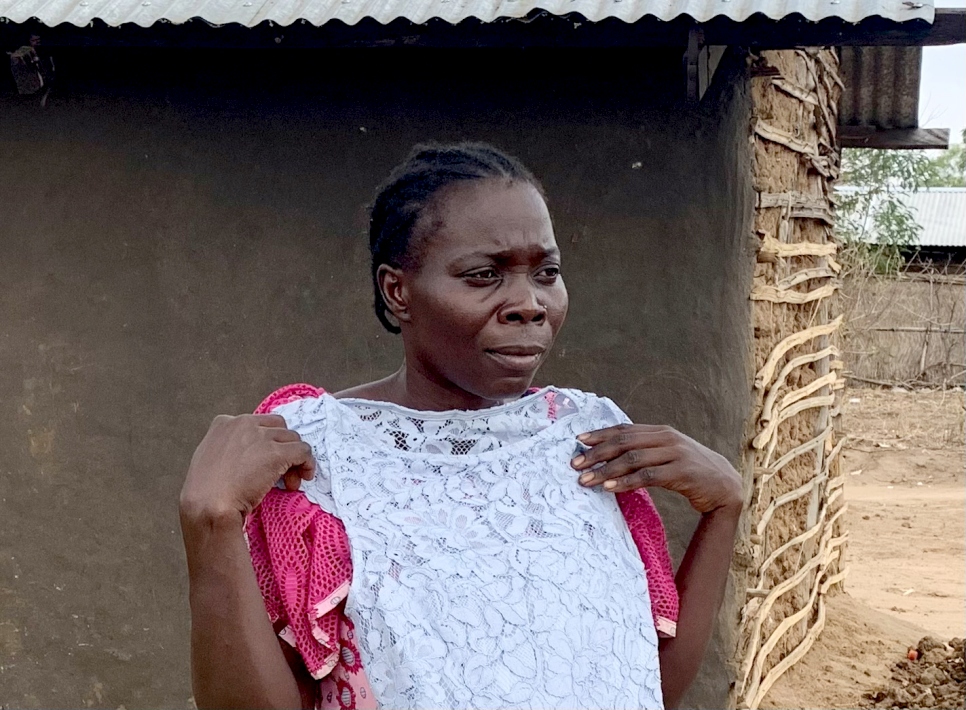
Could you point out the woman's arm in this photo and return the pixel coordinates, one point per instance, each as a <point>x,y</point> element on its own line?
<point>236,660</point>
<point>701,582</point>
<point>639,455</point>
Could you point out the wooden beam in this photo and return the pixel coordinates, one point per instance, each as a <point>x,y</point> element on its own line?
<point>691,58</point>
<point>700,64</point>
<point>920,329</point>
<point>710,59</point>
<point>949,27</point>
<point>893,139</point>
<point>758,31</point>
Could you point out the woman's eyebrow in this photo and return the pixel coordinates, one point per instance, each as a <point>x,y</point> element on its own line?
<point>537,253</point>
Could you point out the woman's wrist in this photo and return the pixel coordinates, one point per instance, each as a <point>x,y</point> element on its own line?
<point>214,542</point>
<point>732,499</point>
<point>728,512</point>
<point>199,514</point>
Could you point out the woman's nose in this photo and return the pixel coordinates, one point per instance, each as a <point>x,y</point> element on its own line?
<point>522,305</point>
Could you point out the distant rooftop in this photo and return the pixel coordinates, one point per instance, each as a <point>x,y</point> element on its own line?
<point>941,211</point>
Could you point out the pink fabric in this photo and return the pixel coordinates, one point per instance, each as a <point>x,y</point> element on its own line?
<point>647,530</point>
<point>303,565</point>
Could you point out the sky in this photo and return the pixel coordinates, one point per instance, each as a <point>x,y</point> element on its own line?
<point>942,92</point>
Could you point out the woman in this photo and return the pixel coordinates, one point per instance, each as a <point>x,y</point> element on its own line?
<point>469,519</point>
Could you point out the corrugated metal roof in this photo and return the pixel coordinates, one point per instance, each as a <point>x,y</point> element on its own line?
<point>941,212</point>
<point>881,86</point>
<point>318,12</point>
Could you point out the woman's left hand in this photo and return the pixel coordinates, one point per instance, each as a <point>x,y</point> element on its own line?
<point>641,455</point>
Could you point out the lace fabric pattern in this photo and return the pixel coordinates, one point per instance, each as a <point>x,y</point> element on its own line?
<point>483,575</point>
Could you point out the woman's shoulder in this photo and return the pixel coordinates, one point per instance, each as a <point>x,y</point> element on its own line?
<point>594,405</point>
<point>302,407</point>
<point>376,391</point>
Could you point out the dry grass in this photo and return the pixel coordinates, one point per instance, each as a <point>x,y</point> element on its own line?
<point>924,419</point>
<point>929,305</point>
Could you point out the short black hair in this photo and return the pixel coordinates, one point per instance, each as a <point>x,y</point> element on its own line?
<point>409,190</point>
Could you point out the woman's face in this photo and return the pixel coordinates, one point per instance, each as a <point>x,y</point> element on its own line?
<point>485,300</point>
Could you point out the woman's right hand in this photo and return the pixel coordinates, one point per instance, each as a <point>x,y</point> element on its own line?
<point>238,462</point>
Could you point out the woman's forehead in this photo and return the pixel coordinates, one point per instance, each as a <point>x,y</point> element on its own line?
<point>492,217</point>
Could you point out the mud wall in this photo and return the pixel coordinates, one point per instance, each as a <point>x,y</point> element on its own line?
<point>182,232</point>
<point>791,555</point>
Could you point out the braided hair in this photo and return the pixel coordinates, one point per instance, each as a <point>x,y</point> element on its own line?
<point>409,191</point>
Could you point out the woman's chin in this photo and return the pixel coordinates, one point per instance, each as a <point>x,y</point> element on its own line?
<point>507,389</point>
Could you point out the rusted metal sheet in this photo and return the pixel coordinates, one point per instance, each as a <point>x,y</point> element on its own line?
<point>881,86</point>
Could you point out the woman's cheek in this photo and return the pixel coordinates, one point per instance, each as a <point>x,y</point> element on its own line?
<point>558,313</point>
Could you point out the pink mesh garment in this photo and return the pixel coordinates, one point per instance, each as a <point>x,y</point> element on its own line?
<point>303,565</point>
<point>301,558</point>
<point>302,562</point>
<point>646,528</point>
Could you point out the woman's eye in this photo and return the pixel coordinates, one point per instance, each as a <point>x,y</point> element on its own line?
<point>483,275</point>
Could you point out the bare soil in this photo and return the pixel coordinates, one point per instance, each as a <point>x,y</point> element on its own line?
<point>852,657</point>
<point>906,492</point>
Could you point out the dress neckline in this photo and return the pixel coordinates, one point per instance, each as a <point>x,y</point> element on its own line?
<point>346,408</point>
<point>463,414</point>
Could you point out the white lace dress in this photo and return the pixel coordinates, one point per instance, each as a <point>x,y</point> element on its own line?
<point>484,576</point>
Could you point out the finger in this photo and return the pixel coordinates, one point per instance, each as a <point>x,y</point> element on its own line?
<point>292,454</point>
<point>592,438</point>
<point>284,436</point>
<point>305,471</point>
<point>269,420</point>
<point>617,444</point>
<point>629,462</point>
<point>308,469</point>
<point>650,476</point>
<point>292,479</point>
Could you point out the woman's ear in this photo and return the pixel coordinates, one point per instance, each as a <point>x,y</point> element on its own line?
<point>392,285</point>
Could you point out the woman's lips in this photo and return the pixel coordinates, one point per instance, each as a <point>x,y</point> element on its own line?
<point>519,359</point>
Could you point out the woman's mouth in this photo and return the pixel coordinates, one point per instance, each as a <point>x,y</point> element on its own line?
<point>522,358</point>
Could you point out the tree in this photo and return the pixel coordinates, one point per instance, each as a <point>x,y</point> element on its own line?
<point>949,168</point>
<point>875,224</point>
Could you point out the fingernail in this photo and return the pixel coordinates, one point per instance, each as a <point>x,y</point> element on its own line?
<point>586,478</point>
<point>578,462</point>
<point>610,485</point>
<point>583,437</point>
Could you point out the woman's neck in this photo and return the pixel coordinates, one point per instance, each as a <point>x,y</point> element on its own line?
<point>411,387</point>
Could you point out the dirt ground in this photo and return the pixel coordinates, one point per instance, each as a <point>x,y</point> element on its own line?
<point>906,553</point>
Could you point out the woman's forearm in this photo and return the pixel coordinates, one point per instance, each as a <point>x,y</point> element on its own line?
<point>701,582</point>
<point>236,661</point>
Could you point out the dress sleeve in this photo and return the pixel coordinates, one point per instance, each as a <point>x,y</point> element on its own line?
<point>301,558</point>
<point>286,394</point>
<point>646,529</point>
